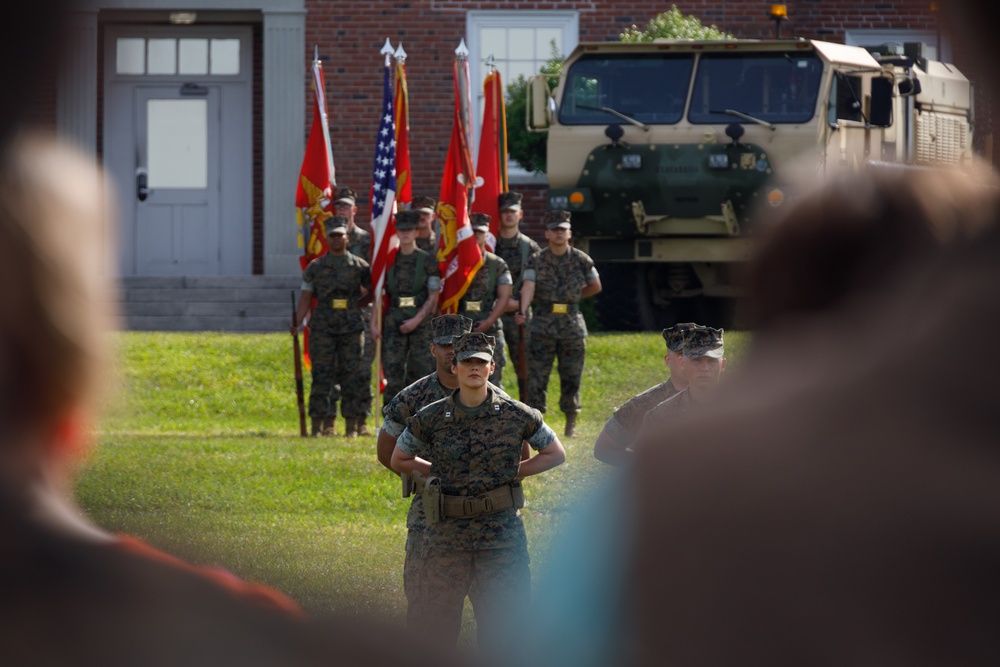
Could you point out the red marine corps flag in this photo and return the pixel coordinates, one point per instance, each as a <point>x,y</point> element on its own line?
<point>458,251</point>
<point>313,195</point>
<point>404,192</point>
<point>492,164</point>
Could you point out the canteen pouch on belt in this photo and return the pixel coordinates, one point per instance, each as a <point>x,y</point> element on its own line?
<point>517,493</point>
<point>432,498</point>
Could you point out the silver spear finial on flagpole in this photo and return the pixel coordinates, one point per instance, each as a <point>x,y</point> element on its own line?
<point>400,54</point>
<point>387,50</point>
<point>462,51</point>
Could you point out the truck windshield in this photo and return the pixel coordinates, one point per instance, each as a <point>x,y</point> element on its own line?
<point>650,88</point>
<point>772,87</point>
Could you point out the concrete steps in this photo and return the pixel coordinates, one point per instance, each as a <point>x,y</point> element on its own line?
<point>208,303</point>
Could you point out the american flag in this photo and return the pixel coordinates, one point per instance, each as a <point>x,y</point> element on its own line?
<point>383,191</point>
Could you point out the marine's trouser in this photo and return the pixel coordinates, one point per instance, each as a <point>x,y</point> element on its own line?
<point>405,357</point>
<point>502,583</point>
<point>572,353</point>
<point>338,370</point>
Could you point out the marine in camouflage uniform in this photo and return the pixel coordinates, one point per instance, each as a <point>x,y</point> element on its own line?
<point>412,287</point>
<point>427,238</point>
<point>359,243</point>
<point>704,361</point>
<point>514,248</point>
<point>621,429</point>
<point>487,295</point>
<point>338,280</point>
<point>555,280</point>
<point>404,405</point>
<point>473,440</point>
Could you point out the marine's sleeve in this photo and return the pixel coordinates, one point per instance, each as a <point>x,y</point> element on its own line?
<point>433,273</point>
<point>308,278</point>
<point>531,268</point>
<point>366,274</point>
<point>538,434</point>
<point>503,272</point>
<point>589,269</point>
<point>394,420</point>
<point>411,444</point>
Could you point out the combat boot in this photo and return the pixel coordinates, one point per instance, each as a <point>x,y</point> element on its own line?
<point>352,427</point>
<point>362,428</point>
<point>570,424</point>
<point>328,426</point>
<point>316,426</point>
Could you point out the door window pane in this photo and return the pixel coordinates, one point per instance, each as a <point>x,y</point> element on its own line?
<point>193,56</point>
<point>130,57</point>
<point>162,56</point>
<point>225,56</point>
<point>177,143</point>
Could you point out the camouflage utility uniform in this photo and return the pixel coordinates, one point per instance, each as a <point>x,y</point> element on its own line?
<point>557,327</point>
<point>478,301</point>
<point>626,422</point>
<point>336,336</point>
<point>404,405</point>
<point>405,357</point>
<point>359,242</point>
<point>473,451</point>
<point>515,251</point>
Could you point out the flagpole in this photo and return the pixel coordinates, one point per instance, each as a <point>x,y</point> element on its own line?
<point>387,51</point>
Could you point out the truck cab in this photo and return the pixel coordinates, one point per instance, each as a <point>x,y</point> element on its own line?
<point>671,154</point>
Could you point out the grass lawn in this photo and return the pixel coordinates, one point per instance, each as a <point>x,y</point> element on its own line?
<point>200,455</point>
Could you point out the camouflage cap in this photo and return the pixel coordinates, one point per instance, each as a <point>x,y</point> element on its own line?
<point>346,195</point>
<point>423,204</point>
<point>446,328</point>
<point>554,219</point>
<point>704,342</point>
<point>676,335</point>
<point>336,225</point>
<point>479,221</point>
<point>509,201</point>
<point>407,220</point>
<point>474,345</point>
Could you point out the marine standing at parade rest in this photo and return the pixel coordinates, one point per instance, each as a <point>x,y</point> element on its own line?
<point>703,362</point>
<point>514,248</point>
<point>555,280</point>
<point>412,288</point>
<point>621,429</point>
<point>359,243</point>
<point>407,403</point>
<point>469,446</point>
<point>339,281</point>
<point>426,234</point>
<point>486,298</point>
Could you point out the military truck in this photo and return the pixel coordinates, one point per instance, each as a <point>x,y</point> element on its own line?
<point>671,154</point>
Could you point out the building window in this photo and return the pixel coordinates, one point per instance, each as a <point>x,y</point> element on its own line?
<point>169,57</point>
<point>518,43</point>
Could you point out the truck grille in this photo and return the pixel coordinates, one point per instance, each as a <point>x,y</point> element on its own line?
<point>941,138</point>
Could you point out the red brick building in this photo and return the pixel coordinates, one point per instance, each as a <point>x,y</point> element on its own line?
<point>232,76</point>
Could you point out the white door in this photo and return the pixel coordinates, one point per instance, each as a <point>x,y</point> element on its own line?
<point>178,148</point>
<point>176,200</point>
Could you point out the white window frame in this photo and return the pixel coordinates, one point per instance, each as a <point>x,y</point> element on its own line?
<point>939,51</point>
<point>567,21</point>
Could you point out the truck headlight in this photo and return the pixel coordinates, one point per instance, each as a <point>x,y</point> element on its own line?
<point>631,161</point>
<point>558,202</point>
<point>718,161</point>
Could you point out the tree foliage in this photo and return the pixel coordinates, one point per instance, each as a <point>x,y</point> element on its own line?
<point>528,148</point>
<point>672,24</point>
